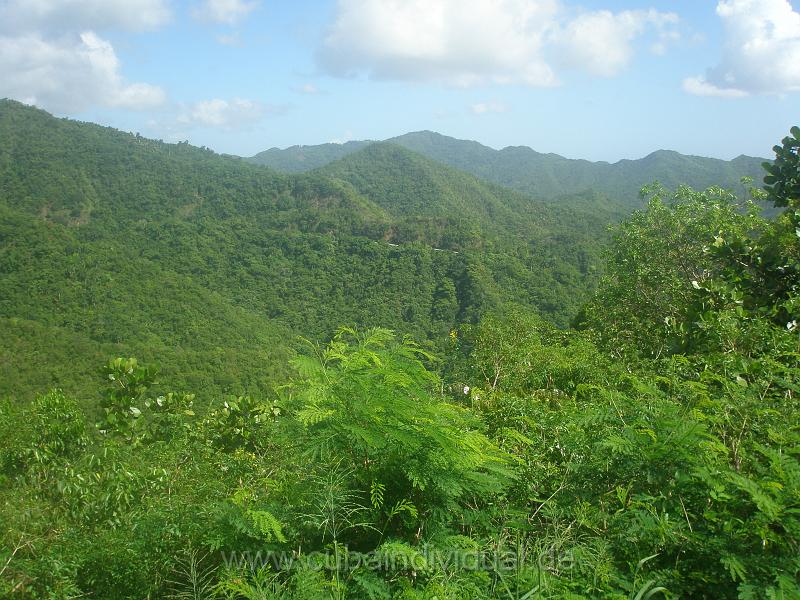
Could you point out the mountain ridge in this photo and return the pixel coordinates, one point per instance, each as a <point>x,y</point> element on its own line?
<point>430,132</point>
<point>545,176</point>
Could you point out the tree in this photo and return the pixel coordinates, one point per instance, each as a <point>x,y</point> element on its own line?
<point>782,182</point>
<point>659,259</point>
<point>370,398</point>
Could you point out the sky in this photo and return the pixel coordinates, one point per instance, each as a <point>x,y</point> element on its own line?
<point>594,79</point>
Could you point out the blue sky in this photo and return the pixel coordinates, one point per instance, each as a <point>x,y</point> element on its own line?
<point>596,79</point>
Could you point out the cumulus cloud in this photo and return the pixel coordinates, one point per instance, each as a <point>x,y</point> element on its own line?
<point>482,108</point>
<point>472,42</point>
<point>69,74</point>
<point>445,40</point>
<point>698,86</point>
<point>226,114</point>
<point>51,56</point>
<point>601,42</point>
<point>761,54</point>
<point>228,12</point>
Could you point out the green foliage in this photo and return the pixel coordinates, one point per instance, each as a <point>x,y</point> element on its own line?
<point>782,182</point>
<point>258,523</point>
<point>511,241</point>
<point>370,398</point>
<point>660,259</point>
<point>193,580</point>
<point>52,430</point>
<point>135,417</point>
<point>258,585</point>
<point>519,352</point>
<point>239,424</point>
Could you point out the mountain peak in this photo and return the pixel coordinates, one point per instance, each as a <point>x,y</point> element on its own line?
<point>662,152</point>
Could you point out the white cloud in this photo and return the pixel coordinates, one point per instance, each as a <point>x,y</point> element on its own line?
<point>761,53</point>
<point>601,42</point>
<point>441,40</point>
<point>666,38</point>
<point>69,74</point>
<point>54,16</point>
<point>228,12</point>
<point>51,56</point>
<point>473,42</point>
<point>227,114</point>
<point>482,108</point>
<point>698,86</point>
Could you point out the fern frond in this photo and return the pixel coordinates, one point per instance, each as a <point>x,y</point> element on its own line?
<point>376,491</point>
<point>266,525</point>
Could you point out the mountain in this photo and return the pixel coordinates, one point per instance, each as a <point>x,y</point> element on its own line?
<point>298,159</point>
<point>551,175</point>
<point>547,176</point>
<point>112,244</point>
<point>408,185</point>
<point>531,252</point>
<point>458,209</point>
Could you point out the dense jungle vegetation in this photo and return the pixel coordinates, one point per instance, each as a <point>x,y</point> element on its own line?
<point>387,379</point>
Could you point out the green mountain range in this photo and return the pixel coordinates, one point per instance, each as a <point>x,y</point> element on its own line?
<point>113,244</point>
<point>544,176</point>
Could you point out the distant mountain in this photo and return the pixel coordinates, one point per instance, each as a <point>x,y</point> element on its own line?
<point>407,184</point>
<point>469,210</point>
<point>544,176</point>
<point>550,175</point>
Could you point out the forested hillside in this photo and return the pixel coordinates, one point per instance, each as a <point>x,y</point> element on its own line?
<point>298,159</point>
<point>652,451</point>
<point>116,244</point>
<point>456,210</point>
<point>543,176</point>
